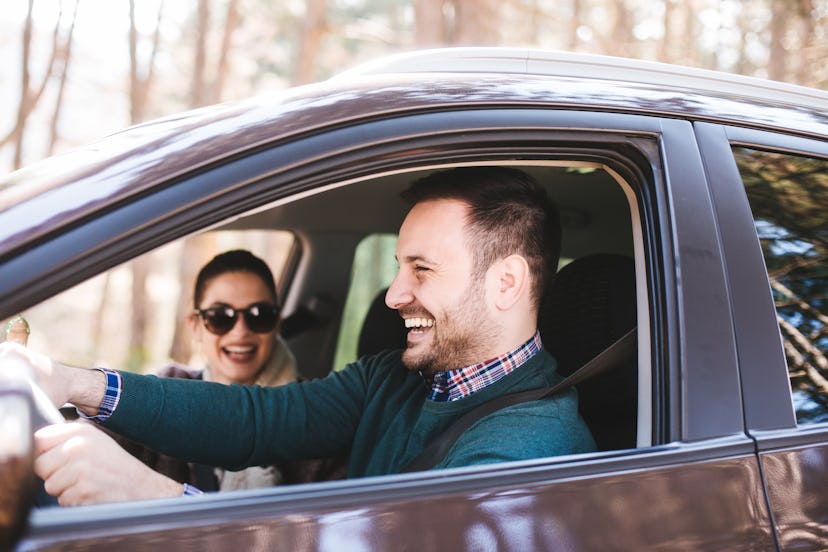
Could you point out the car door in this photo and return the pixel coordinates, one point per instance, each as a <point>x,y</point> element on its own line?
<point>771,192</point>
<point>693,481</point>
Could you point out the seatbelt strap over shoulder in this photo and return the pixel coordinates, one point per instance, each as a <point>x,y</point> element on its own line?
<point>616,353</point>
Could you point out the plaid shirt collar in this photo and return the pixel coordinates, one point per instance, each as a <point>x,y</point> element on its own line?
<point>450,385</point>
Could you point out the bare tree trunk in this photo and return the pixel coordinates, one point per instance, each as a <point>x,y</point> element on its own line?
<point>689,44</point>
<point>665,52</point>
<point>310,37</point>
<point>134,79</point>
<point>66,56</point>
<point>139,84</point>
<point>621,36</point>
<point>804,71</point>
<point>198,93</point>
<point>140,80</point>
<point>196,252</point>
<point>24,108</point>
<point>98,331</point>
<point>29,98</point>
<point>230,23</point>
<point>137,354</point>
<point>743,63</point>
<point>429,24</point>
<point>574,24</point>
<point>476,22</point>
<point>778,25</point>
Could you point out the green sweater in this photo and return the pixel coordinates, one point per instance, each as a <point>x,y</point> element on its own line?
<point>375,408</point>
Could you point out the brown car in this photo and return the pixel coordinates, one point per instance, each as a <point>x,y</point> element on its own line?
<point>695,208</point>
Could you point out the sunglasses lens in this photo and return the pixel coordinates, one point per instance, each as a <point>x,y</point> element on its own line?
<point>219,320</point>
<point>261,317</point>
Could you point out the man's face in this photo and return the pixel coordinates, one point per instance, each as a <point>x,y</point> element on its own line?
<point>435,291</point>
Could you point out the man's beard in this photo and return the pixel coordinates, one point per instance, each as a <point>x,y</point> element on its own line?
<point>461,336</point>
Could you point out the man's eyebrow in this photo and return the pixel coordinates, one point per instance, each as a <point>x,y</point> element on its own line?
<point>418,258</point>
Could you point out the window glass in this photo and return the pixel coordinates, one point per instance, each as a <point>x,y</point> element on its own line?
<point>108,321</point>
<point>789,198</point>
<point>373,270</point>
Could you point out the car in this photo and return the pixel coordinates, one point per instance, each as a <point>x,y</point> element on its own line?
<point>694,209</point>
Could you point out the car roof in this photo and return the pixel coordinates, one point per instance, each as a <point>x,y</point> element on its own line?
<point>70,187</point>
<point>528,61</point>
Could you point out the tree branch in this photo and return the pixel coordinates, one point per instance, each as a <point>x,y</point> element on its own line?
<point>803,344</point>
<point>801,303</point>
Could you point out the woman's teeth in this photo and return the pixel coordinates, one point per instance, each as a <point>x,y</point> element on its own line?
<point>239,349</point>
<point>240,352</point>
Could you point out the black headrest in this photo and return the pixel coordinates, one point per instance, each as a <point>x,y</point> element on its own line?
<point>382,330</point>
<point>315,313</point>
<point>590,304</point>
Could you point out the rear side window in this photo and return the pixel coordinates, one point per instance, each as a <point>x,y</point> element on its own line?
<point>788,196</point>
<point>110,321</point>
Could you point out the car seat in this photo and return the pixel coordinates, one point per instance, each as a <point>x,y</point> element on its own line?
<point>590,304</point>
<point>383,328</point>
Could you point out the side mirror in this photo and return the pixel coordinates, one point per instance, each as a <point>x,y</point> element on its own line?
<point>17,479</point>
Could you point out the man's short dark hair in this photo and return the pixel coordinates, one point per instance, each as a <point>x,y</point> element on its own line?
<point>510,213</point>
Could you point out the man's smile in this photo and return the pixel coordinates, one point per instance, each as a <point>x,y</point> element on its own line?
<point>418,328</point>
<point>418,323</point>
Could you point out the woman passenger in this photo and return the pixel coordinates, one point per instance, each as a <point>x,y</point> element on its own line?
<point>235,321</point>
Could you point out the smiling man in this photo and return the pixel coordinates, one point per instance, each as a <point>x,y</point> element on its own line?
<point>465,287</point>
<point>474,254</point>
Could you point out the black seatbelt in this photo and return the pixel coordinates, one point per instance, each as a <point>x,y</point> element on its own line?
<point>616,353</point>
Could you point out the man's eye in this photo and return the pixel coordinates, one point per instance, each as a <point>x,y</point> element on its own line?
<point>418,268</point>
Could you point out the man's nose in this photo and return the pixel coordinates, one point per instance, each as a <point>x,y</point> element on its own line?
<point>399,294</point>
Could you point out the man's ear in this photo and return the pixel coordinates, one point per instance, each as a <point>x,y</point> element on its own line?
<point>511,281</point>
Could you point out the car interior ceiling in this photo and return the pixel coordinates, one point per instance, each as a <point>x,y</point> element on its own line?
<point>595,213</point>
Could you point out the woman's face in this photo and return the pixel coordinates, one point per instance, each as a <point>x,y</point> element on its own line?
<point>239,355</point>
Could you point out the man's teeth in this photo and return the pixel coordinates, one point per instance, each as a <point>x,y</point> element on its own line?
<point>418,323</point>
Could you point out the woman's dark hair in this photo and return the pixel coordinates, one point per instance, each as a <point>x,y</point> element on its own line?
<point>509,213</point>
<point>236,260</point>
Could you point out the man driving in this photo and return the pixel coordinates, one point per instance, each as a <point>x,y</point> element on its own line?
<point>474,252</point>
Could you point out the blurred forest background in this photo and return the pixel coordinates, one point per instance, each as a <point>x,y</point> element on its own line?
<point>77,70</point>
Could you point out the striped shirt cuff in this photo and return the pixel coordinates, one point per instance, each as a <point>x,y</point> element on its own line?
<point>189,490</point>
<point>111,396</point>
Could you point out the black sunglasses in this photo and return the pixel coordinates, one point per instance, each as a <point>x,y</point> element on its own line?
<point>258,317</point>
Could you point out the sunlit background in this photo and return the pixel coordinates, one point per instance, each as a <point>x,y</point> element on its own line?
<point>72,57</point>
<point>76,70</point>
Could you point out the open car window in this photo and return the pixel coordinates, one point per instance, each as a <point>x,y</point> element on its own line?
<point>333,252</point>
